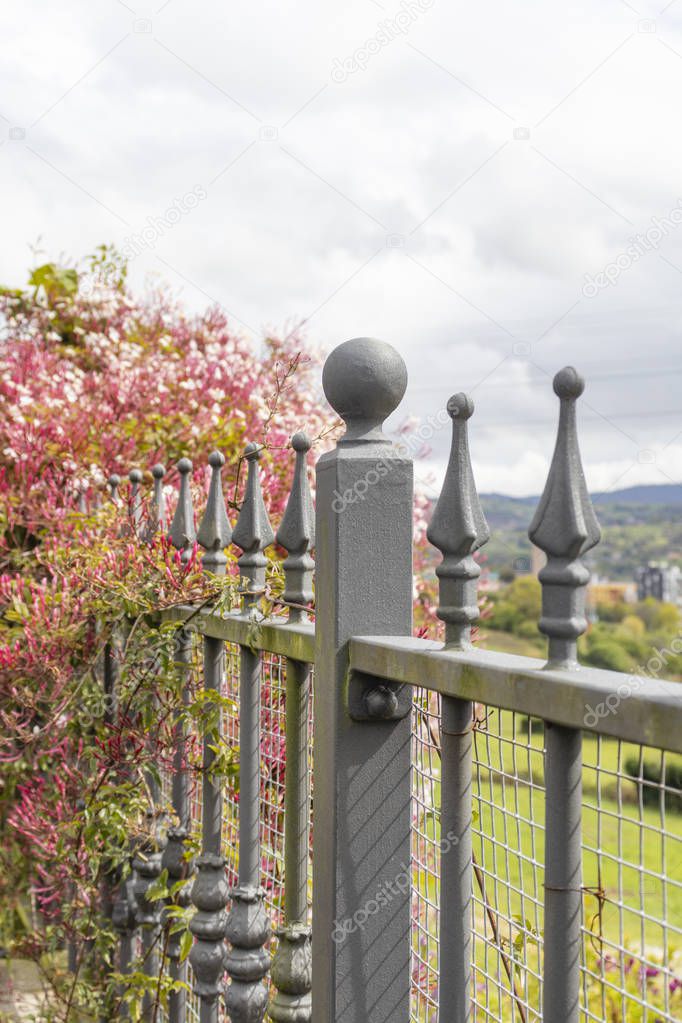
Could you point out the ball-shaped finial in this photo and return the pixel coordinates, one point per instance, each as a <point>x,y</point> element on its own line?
<point>114,480</point>
<point>568,383</point>
<point>460,406</point>
<point>301,442</point>
<point>364,380</point>
<point>252,452</point>
<point>184,466</point>
<point>158,471</point>
<point>216,460</point>
<point>135,476</point>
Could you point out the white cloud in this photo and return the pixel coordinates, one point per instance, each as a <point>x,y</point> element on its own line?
<point>404,201</point>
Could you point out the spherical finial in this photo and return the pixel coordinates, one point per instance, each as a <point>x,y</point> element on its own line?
<point>216,460</point>
<point>301,442</point>
<point>158,471</point>
<point>135,476</point>
<point>114,480</point>
<point>364,381</point>
<point>568,383</point>
<point>460,406</point>
<point>252,452</point>
<point>184,466</point>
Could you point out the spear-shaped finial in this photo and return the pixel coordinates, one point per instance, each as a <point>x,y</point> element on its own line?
<point>215,532</point>
<point>565,527</point>
<point>253,532</point>
<point>458,528</point>
<point>135,504</point>
<point>157,510</point>
<point>182,531</point>
<point>114,482</point>
<point>296,534</point>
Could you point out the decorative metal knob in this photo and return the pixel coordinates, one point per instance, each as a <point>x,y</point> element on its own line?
<point>364,381</point>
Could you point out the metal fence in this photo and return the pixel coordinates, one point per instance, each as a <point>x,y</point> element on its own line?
<point>494,837</point>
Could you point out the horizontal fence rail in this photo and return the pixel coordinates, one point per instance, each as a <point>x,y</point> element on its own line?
<point>475,812</point>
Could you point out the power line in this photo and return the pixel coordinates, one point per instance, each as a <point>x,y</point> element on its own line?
<point>661,413</point>
<point>535,380</point>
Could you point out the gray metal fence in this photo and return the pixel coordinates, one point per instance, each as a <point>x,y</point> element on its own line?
<point>479,850</point>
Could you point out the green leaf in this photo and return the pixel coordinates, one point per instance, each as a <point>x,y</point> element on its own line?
<point>186,943</point>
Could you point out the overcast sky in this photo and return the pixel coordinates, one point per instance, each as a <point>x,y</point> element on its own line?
<point>456,179</point>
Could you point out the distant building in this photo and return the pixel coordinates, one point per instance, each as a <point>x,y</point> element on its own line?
<point>660,581</point>
<point>604,592</point>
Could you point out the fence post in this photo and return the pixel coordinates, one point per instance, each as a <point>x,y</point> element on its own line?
<point>361,864</point>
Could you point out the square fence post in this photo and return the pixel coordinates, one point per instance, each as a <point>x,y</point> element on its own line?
<point>361,861</point>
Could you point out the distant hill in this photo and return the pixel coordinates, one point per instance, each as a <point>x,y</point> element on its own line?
<point>648,493</point>
<point>639,524</point>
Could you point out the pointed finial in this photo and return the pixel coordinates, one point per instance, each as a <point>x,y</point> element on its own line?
<point>135,502</point>
<point>364,381</point>
<point>253,532</point>
<point>296,534</point>
<point>159,499</point>
<point>114,483</point>
<point>565,527</point>
<point>182,533</point>
<point>157,510</point>
<point>215,532</point>
<point>458,528</point>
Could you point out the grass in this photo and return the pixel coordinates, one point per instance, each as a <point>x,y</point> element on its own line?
<point>508,643</point>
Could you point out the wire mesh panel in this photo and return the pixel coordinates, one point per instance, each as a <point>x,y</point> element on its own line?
<point>273,768</point>
<point>508,799</point>
<point>632,872</point>
<point>632,877</point>
<point>425,854</point>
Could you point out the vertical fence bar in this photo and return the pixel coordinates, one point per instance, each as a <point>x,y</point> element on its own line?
<point>124,910</point>
<point>182,535</point>
<point>135,500</point>
<point>458,528</point>
<point>157,509</point>
<point>147,869</point>
<point>148,852</point>
<point>174,859</point>
<point>248,928</point>
<point>292,964</point>
<point>361,866</point>
<point>111,875</point>
<point>114,482</point>
<point>210,891</point>
<point>564,527</point>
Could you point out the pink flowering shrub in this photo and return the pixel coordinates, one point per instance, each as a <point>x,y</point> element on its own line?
<point>97,381</point>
